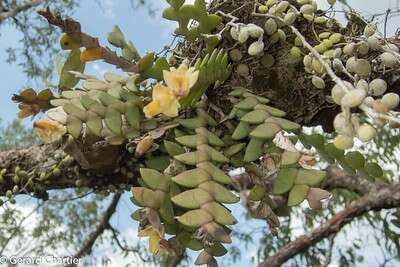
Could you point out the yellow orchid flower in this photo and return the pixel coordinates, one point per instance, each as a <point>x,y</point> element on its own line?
<point>49,131</point>
<point>181,80</point>
<point>155,237</point>
<point>164,101</point>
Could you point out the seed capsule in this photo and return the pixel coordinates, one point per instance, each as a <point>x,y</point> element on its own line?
<point>342,125</point>
<point>234,33</point>
<point>343,142</point>
<point>263,9</point>
<point>366,133</point>
<point>290,18</point>
<point>362,67</point>
<point>374,43</point>
<point>318,82</point>
<point>351,64</point>
<point>331,2</point>
<point>307,9</point>
<point>255,31</point>
<point>349,49</point>
<point>270,26</point>
<point>282,6</point>
<point>353,98</point>
<point>369,30</point>
<point>391,100</point>
<point>363,84</point>
<point>295,52</point>
<point>243,35</point>
<point>377,87</point>
<point>390,48</point>
<point>363,48</point>
<point>389,60</point>
<point>256,48</point>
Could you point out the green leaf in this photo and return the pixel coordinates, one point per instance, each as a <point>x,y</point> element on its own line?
<point>74,63</point>
<point>355,159</point>
<point>284,181</point>
<point>297,195</point>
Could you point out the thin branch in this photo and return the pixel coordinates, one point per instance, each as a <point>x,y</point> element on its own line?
<point>98,231</point>
<point>73,27</point>
<point>385,197</point>
<point>18,9</point>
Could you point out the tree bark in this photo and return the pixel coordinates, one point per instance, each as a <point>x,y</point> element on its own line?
<point>381,197</point>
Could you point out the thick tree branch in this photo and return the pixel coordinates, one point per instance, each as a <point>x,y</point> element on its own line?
<point>18,8</point>
<point>45,167</point>
<point>382,197</point>
<point>100,228</point>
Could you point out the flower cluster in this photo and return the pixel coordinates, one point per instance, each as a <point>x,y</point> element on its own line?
<point>165,99</point>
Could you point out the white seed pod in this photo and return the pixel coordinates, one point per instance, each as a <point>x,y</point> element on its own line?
<point>290,18</point>
<point>370,30</point>
<point>369,101</point>
<point>255,31</point>
<point>256,48</point>
<point>363,84</point>
<point>307,61</point>
<point>337,94</point>
<point>338,65</point>
<point>307,9</point>
<point>343,142</point>
<point>362,48</point>
<point>270,26</point>
<point>353,98</point>
<point>263,9</point>
<point>390,48</point>
<point>362,67</point>
<point>377,87</point>
<point>366,133</point>
<point>318,82</point>
<point>342,125</point>
<point>349,49</point>
<point>314,5</point>
<point>351,64</point>
<point>271,2</point>
<point>243,35</point>
<point>374,43</point>
<point>317,66</point>
<point>389,60</point>
<point>234,33</point>
<point>331,2</point>
<point>282,6</point>
<point>303,2</point>
<point>391,100</point>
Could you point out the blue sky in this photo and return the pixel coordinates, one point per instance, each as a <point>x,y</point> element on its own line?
<point>148,34</point>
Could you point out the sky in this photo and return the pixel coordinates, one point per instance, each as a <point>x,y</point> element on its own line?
<point>148,34</point>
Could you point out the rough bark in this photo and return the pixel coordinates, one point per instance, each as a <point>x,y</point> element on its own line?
<point>381,197</point>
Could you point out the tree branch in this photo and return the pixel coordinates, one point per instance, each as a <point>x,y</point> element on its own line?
<point>45,167</point>
<point>19,8</point>
<point>384,197</point>
<point>103,225</point>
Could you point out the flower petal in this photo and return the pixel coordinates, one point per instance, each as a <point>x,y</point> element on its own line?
<point>49,131</point>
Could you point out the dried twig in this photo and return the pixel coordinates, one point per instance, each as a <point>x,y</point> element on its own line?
<point>73,27</point>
